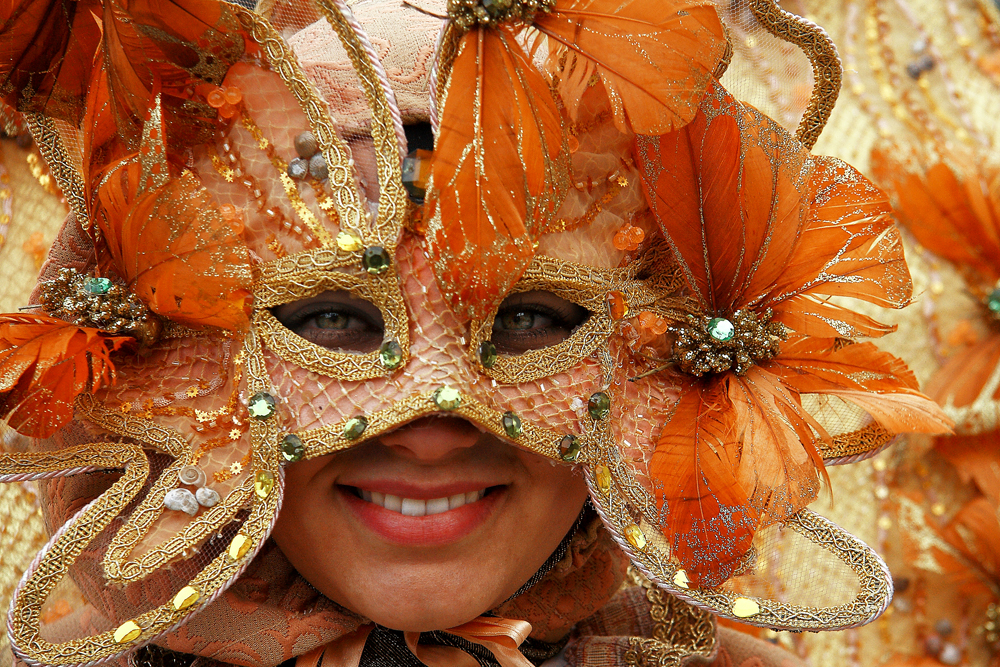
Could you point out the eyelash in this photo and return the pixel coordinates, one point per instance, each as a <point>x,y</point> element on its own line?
<point>301,317</point>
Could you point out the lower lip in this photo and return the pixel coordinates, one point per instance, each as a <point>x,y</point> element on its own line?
<point>425,531</point>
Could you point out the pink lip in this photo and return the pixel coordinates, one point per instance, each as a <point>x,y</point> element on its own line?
<point>423,531</point>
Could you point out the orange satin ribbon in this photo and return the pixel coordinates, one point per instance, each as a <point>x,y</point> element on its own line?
<point>500,636</point>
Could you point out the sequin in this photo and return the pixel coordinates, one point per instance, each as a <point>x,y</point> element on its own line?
<point>635,536</point>
<point>745,608</point>
<point>263,483</point>
<point>511,425</point>
<point>354,427</point>
<point>569,448</point>
<point>993,301</point>
<point>262,406</point>
<point>97,285</point>
<point>599,405</point>
<point>721,329</point>
<point>681,579</point>
<point>376,260</point>
<point>349,242</point>
<point>185,597</point>
<point>292,449</point>
<point>446,398</point>
<point>391,354</point>
<point>127,631</point>
<point>239,547</point>
<point>617,306</point>
<point>487,354</point>
<point>602,475</point>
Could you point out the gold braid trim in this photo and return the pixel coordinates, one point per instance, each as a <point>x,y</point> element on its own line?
<point>50,145</point>
<point>822,54</point>
<point>680,631</point>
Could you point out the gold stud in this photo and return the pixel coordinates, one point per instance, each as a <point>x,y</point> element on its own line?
<point>239,547</point>
<point>745,608</point>
<point>603,476</point>
<point>127,631</point>
<point>185,597</point>
<point>635,536</point>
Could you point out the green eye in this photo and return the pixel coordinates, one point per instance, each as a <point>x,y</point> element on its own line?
<point>517,320</point>
<point>334,320</point>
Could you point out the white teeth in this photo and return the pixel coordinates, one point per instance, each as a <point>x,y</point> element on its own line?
<point>412,507</point>
<point>437,505</point>
<point>394,503</point>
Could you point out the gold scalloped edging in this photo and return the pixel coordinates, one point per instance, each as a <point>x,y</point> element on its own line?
<point>822,54</point>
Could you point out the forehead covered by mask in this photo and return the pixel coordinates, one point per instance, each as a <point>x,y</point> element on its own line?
<point>259,162</point>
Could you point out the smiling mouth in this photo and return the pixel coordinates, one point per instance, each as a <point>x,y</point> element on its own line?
<point>417,507</point>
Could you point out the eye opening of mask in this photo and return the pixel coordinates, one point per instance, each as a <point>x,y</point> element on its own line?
<point>535,320</point>
<point>337,320</point>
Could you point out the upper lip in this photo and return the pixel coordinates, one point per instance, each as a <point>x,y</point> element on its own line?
<point>419,491</point>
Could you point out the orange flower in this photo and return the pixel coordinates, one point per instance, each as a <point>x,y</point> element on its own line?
<point>764,233</point>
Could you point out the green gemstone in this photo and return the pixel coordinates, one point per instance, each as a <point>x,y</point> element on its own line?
<point>376,260</point>
<point>446,398</point>
<point>262,406</point>
<point>721,329</point>
<point>511,424</point>
<point>569,448</point>
<point>599,406</point>
<point>97,285</point>
<point>487,354</point>
<point>292,449</point>
<point>354,427</point>
<point>993,301</point>
<point>391,354</point>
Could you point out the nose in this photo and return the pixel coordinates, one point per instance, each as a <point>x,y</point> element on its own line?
<point>432,438</point>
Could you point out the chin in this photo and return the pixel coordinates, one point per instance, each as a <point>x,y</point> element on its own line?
<point>422,603</point>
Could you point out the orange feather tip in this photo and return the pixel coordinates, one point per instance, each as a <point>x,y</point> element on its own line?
<point>45,363</point>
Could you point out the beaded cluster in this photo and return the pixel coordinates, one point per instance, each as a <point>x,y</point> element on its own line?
<point>707,344</point>
<point>467,14</point>
<point>90,301</point>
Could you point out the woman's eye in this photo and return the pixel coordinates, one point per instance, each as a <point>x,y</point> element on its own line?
<point>534,320</point>
<point>335,320</point>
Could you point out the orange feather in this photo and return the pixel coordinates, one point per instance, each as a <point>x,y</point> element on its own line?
<point>704,511</point>
<point>654,57</point>
<point>952,207</point>
<point>977,459</point>
<point>875,381</point>
<point>45,363</point>
<point>176,250</point>
<point>50,49</point>
<point>499,170</point>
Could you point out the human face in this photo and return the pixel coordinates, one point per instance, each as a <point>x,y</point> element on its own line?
<point>495,512</point>
<point>432,572</point>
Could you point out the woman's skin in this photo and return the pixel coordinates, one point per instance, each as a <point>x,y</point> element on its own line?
<point>508,508</point>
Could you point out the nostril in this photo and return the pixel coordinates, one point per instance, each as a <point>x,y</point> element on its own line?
<point>434,436</point>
